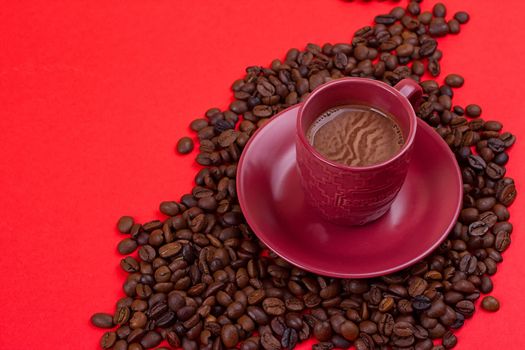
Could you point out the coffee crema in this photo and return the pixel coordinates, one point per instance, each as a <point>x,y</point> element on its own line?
<point>356,135</point>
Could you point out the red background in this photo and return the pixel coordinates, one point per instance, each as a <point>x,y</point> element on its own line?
<point>94,95</point>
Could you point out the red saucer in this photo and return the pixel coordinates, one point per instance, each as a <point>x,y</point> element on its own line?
<point>419,220</point>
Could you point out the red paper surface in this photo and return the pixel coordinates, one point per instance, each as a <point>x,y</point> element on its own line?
<point>94,95</point>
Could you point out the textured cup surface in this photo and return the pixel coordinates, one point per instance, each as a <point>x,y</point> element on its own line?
<point>355,195</point>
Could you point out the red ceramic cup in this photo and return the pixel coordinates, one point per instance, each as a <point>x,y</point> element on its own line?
<point>355,195</point>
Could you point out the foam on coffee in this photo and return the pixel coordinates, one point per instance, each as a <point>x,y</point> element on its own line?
<point>356,135</point>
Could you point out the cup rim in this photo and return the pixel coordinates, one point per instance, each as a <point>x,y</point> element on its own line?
<point>401,98</point>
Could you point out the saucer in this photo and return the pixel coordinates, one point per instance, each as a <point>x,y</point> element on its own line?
<point>273,203</point>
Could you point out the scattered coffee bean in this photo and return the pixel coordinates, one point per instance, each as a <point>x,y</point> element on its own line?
<point>454,80</point>
<point>102,320</point>
<point>439,10</point>
<point>108,340</point>
<point>473,110</point>
<point>462,17</point>
<point>490,303</point>
<point>185,145</point>
<point>125,223</point>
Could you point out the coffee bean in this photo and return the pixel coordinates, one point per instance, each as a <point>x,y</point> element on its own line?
<point>453,26</point>
<point>151,339</point>
<point>169,249</point>
<point>469,215</point>
<point>120,345</point>
<point>229,335</point>
<point>421,303</point>
<point>490,303</point>
<point>502,241</point>
<point>274,306</point>
<point>349,330</point>
<point>124,224</point>
<point>473,110</point>
<point>433,68</point>
<point>269,342</point>
<point>449,340</point>
<point>405,50</point>
<point>289,338</point>
<point>438,29</point>
<point>508,139</point>
<point>129,264</point>
<point>476,162</point>
<point>403,329</point>
<point>127,246</point>
<point>323,346</point>
<point>322,331</point>
<point>439,10</point>
<point>147,253</point>
<point>185,145</point>
<point>462,17</point>
<point>386,304</point>
<point>413,8</point>
<point>121,316</point>
<point>257,314</point>
<point>486,284</point>
<point>108,340</point>
<point>454,80</point>
<point>169,208</point>
<point>507,195</point>
<point>465,307</point>
<point>102,320</point>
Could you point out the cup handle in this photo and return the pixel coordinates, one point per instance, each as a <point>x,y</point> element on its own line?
<point>411,90</point>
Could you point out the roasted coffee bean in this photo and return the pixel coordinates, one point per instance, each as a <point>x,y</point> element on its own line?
<point>198,124</point>
<point>185,145</point>
<point>127,246</point>
<point>102,320</point>
<point>121,315</point>
<point>274,306</point>
<point>478,228</point>
<point>438,29</point>
<point>508,139</point>
<point>403,329</point>
<point>229,335</point>
<point>323,346</point>
<point>507,195</point>
<point>124,224</point>
<point>490,303</point>
<point>449,340</point>
<point>269,342</point>
<point>385,19</point>
<point>486,284</point>
<point>129,264</point>
<point>413,8</point>
<point>454,80</point>
<point>108,340</point>
<point>257,314</point>
<point>453,26</point>
<point>151,339</point>
<point>502,241</point>
<point>349,330</point>
<point>476,162</point>
<point>465,307</point>
<point>421,303</point>
<point>289,338</point>
<point>462,17</point>
<point>473,110</point>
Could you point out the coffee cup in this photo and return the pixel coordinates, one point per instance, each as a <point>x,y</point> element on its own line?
<point>356,194</point>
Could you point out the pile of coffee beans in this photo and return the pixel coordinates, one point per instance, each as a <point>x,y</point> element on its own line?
<point>201,279</point>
